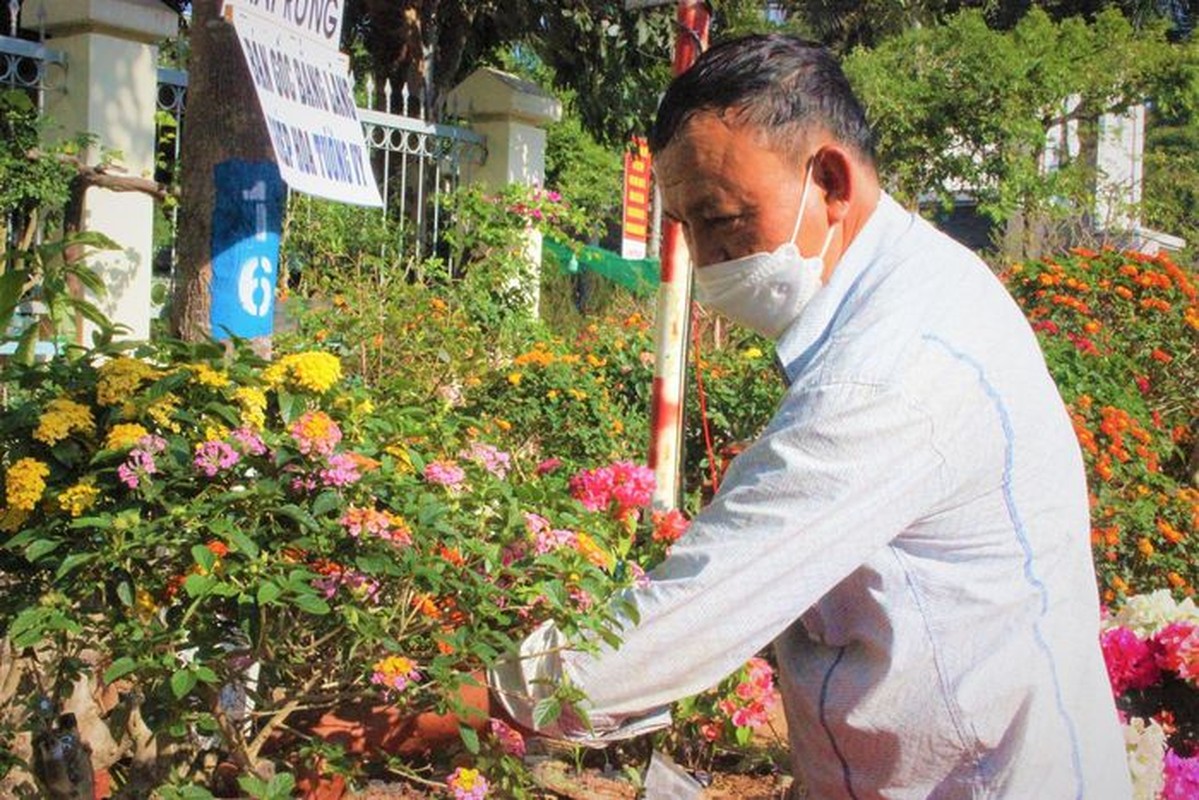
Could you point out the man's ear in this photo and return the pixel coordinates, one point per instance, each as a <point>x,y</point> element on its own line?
<point>834,172</point>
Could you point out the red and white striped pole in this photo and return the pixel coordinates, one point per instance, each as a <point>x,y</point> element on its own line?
<point>674,302</point>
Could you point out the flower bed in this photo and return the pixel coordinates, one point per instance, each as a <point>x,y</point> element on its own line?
<point>221,543</point>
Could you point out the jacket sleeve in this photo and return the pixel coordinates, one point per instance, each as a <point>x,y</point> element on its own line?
<point>838,474</point>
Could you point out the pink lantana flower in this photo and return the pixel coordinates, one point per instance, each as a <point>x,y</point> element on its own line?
<point>445,473</point>
<point>467,784</point>
<point>140,463</point>
<point>249,441</point>
<point>623,486</point>
<point>214,456</point>
<point>510,739</point>
<point>315,432</point>
<point>491,458</point>
<point>395,673</point>
<point>342,471</point>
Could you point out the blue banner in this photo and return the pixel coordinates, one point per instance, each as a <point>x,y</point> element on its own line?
<point>247,217</point>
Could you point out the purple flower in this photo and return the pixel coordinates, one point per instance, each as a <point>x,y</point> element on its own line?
<point>1182,777</point>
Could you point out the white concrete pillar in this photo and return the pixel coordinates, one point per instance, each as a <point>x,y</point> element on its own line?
<point>512,114</point>
<point>1120,165</point>
<point>111,92</point>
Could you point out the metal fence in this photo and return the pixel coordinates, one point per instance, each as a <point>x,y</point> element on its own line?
<point>418,161</point>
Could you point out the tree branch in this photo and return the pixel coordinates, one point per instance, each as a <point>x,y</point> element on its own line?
<point>101,176</point>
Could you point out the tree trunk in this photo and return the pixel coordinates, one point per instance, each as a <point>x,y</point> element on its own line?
<point>222,121</point>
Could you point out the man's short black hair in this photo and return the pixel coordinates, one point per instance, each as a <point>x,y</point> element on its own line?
<point>780,85</point>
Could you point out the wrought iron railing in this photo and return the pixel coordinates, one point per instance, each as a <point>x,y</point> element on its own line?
<point>419,161</point>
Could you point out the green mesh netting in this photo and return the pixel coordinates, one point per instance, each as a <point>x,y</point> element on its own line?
<point>639,276</point>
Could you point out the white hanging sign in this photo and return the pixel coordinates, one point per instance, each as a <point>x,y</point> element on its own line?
<point>307,100</point>
<point>314,19</point>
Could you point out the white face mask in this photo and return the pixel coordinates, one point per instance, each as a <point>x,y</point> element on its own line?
<point>765,291</point>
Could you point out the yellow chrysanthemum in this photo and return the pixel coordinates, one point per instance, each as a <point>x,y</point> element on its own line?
<point>514,378</point>
<point>252,402</point>
<point>78,498</point>
<point>313,371</point>
<point>207,376</point>
<point>120,378</point>
<point>25,484</point>
<point>751,353</point>
<point>62,418</point>
<point>125,435</point>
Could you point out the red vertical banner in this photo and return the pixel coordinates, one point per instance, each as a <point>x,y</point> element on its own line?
<point>635,225</point>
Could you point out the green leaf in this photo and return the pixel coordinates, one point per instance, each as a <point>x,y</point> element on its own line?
<point>76,560</point>
<point>311,604</point>
<point>121,667</point>
<point>242,543</point>
<point>470,738</point>
<point>198,585</point>
<point>546,711</point>
<point>291,406</point>
<point>40,548</point>
<point>204,557</point>
<point>298,515</point>
<point>125,594</point>
<point>206,674</point>
<point>325,502</point>
<point>252,785</point>
<point>268,593</point>
<point>182,682</point>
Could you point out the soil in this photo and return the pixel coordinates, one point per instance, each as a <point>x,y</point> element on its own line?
<point>561,780</point>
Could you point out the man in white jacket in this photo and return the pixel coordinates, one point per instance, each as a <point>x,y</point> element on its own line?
<point>911,531</point>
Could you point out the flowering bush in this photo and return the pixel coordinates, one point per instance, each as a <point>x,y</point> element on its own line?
<point>583,402</point>
<point>1119,333</point>
<point>722,720</point>
<point>1151,646</point>
<point>221,541</point>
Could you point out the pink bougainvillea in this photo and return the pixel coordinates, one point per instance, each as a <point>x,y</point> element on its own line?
<point>1131,660</point>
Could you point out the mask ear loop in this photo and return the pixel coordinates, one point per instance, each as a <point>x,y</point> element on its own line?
<point>803,201</point>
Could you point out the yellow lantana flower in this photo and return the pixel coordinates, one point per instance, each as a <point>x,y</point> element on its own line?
<point>162,411</point>
<point>25,484</point>
<point>252,402</point>
<point>78,498</point>
<point>207,376</point>
<point>62,418</point>
<point>313,371</point>
<point>125,435</point>
<point>120,378</point>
